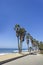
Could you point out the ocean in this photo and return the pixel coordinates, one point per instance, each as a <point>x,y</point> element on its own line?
<point>4,51</point>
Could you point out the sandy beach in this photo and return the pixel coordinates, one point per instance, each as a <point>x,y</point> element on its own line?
<point>11,55</point>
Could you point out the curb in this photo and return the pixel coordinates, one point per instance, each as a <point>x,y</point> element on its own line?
<point>8,60</point>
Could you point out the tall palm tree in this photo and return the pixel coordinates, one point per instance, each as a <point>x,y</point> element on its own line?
<point>33,42</point>
<point>37,44</point>
<point>22,37</point>
<point>41,45</point>
<point>17,28</point>
<point>31,39</point>
<point>27,40</point>
<point>20,33</point>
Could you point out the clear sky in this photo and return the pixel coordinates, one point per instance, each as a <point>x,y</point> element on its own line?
<point>27,13</point>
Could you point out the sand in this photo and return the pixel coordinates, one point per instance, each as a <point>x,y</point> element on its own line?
<point>11,55</point>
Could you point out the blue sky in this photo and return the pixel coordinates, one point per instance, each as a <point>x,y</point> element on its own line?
<point>26,13</point>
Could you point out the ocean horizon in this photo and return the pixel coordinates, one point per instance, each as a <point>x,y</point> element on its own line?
<point>4,51</point>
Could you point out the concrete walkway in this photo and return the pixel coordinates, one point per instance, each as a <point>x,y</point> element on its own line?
<point>28,60</point>
<point>12,56</point>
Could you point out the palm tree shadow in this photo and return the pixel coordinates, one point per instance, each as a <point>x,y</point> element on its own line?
<point>32,53</point>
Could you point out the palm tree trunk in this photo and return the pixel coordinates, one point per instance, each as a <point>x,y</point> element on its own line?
<point>28,47</point>
<point>18,45</point>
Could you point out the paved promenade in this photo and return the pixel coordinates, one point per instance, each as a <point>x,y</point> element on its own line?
<point>11,56</point>
<point>27,60</point>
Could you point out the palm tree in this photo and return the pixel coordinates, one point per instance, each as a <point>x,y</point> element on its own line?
<point>41,45</point>
<point>37,44</point>
<point>20,33</point>
<point>27,40</point>
<point>17,28</point>
<point>33,42</point>
<point>22,37</point>
<point>31,38</point>
<point>30,49</point>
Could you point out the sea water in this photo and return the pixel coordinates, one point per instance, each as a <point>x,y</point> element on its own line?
<point>4,51</point>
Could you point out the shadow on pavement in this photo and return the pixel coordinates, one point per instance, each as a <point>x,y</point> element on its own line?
<point>32,53</point>
<point>5,61</point>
